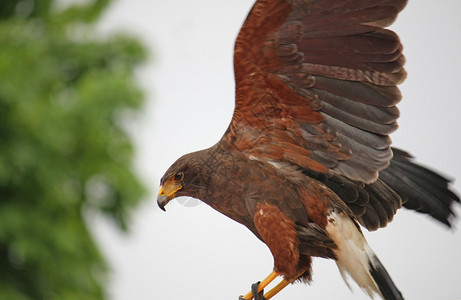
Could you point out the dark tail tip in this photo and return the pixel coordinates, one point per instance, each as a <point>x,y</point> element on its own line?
<point>420,188</point>
<point>385,284</point>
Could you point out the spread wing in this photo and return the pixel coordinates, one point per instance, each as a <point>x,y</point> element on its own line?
<point>316,84</point>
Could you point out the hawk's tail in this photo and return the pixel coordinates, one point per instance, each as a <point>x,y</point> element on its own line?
<point>357,260</point>
<point>421,189</point>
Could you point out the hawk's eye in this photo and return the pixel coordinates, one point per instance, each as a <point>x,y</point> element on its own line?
<point>178,177</point>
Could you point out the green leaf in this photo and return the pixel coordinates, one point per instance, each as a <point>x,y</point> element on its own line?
<point>63,149</point>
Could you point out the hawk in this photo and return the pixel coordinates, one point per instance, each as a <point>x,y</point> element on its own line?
<point>307,161</point>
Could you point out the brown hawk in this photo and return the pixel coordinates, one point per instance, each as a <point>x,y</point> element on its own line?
<point>306,158</point>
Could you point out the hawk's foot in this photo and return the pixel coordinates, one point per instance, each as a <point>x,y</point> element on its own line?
<point>254,294</point>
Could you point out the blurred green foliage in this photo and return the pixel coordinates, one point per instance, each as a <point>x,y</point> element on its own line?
<point>64,95</point>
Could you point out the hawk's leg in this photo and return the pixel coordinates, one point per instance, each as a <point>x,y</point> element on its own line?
<point>255,292</point>
<point>280,286</point>
<point>257,288</point>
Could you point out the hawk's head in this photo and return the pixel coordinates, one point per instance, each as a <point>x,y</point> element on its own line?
<point>186,177</point>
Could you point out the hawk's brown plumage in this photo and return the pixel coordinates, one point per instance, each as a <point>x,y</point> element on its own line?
<point>307,154</point>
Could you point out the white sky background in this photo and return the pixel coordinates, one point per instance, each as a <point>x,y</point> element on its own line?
<point>197,253</point>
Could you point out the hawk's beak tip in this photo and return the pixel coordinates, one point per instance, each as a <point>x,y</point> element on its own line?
<point>162,200</point>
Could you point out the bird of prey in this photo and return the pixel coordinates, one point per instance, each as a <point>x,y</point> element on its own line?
<point>306,161</point>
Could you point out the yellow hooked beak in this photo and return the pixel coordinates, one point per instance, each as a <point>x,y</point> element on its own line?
<point>167,192</point>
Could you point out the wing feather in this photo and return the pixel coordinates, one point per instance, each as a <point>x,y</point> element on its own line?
<point>323,74</point>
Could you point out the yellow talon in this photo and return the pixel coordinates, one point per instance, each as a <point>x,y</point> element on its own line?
<point>274,291</point>
<point>266,281</point>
